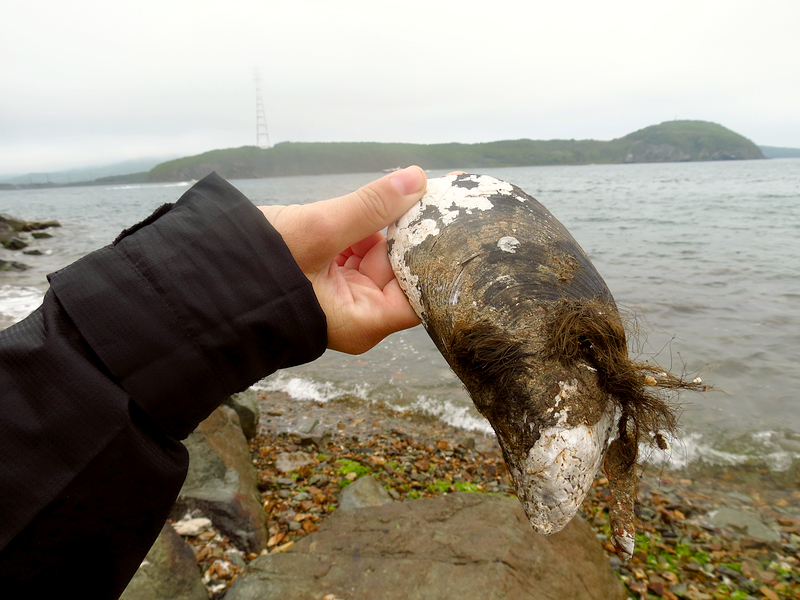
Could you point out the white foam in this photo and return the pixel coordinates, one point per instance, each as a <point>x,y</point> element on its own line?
<point>307,390</point>
<point>453,414</point>
<point>694,448</point>
<point>16,303</point>
<point>138,186</point>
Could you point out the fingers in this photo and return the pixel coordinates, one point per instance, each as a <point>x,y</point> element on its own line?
<point>371,208</point>
<point>358,329</point>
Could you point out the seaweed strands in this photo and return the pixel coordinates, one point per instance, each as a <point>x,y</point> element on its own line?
<point>526,322</point>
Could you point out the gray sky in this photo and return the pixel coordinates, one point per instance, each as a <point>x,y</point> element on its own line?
<point>88,82</point>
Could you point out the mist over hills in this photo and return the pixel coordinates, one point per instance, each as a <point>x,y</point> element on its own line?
<point>84,174</point>
<point>780,152</point>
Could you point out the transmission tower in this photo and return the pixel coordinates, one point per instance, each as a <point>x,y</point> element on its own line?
<point>262,135</point>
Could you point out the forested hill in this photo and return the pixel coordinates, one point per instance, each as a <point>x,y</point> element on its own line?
<point>672,141</point>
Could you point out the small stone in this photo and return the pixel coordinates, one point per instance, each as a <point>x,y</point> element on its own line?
<point>318,479</point>
<point>656,587</point>
<point>307,425</point>
<point>768,593</point>
<point>287,462</point>
<point>744,521</point>
<point>366,491</point>
<point>192,527</point>
<point>749,586</point>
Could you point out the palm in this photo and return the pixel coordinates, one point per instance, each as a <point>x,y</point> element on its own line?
<point>356,287</point>
<point>365,300</point>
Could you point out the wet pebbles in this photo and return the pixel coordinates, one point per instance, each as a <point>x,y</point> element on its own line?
<point>698,538</point>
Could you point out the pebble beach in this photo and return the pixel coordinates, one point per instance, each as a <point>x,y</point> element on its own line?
<point>723,533</point>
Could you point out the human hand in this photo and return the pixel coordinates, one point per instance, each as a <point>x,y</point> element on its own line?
<point>339,246</point>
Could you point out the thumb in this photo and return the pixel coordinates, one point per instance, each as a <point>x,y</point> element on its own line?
<point>369,209</point>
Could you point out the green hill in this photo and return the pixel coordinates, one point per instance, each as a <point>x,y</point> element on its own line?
<point>672,141</point>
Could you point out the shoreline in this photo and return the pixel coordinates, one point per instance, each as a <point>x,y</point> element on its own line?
<point>683,550</point>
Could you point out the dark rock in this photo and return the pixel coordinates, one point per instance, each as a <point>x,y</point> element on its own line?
<point>221,482</point>
<point>15,243</point>
<point>6,233</point>
<point>168,572</point>
<point>41,235</point>
<point>10,265</point>
<point>466,546</point>
<point>37,225</point>
<point>13,223</point>
<point>22,225</point>
<point>246,406</point>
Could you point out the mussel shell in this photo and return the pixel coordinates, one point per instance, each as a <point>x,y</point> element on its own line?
<point>480,259</point>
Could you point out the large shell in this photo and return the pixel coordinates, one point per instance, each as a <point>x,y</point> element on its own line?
<point>484,265</point>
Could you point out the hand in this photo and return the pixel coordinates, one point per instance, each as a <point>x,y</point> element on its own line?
<point>339,246</point>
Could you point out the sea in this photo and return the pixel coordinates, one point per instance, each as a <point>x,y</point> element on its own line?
<point>703,258</point>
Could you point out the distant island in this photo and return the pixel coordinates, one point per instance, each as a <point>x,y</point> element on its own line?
<point>673,141</point>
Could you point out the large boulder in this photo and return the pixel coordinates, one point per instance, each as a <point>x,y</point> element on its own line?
<point>466,546</point>
<point>221,482</point>
<point>168,572</point>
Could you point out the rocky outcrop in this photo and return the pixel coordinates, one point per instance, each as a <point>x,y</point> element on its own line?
<point>221,483</point>
<point>466,546</point>
<point>10,238</point>
<point>22,225</point>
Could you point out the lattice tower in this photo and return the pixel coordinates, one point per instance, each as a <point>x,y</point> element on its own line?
<point>262,135</point>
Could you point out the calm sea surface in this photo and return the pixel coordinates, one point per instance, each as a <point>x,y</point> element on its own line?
<point>707,255</point>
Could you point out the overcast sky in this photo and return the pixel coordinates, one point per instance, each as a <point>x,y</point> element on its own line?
<point>86,82</point>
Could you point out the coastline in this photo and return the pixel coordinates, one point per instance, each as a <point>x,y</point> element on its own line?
<point>727,533</point>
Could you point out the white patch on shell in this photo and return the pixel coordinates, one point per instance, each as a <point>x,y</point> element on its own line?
<point>626,543</point>
<point>559,471</point>
<point>411,229</point>
<point>508,244</point>
<point>409,282</point>
<point>566,390</point>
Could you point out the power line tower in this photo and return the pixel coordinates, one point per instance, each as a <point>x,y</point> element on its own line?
<point>262,135</point>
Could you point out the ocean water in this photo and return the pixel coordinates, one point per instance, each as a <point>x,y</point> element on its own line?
<point>705,257</point>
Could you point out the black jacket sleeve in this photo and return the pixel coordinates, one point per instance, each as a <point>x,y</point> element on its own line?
<point>133,346</point>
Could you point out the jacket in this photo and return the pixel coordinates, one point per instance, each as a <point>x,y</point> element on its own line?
<point>133,346</point>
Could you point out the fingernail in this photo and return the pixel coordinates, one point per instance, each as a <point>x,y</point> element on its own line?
<point>408,181</point>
